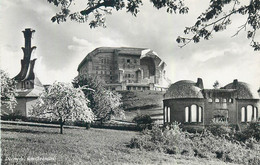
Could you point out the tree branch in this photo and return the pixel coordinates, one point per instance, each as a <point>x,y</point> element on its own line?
<point>98,5</point>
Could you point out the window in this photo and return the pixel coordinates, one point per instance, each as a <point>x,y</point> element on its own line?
<point>216,100</point>
<point>200,114</point>
<point>224,100</point>
<point>165,114</point>
<point>135,61</point>
<point>128,75</point>
<point>102,60</point>
<point>128,60</point>
<point>210,100</point>
<point>186,114</point>
<point>255,113</point>
<point>169,114</point>
<point>249,113</point>
<point>243,112</point>
<point>96,67</point>
<point>230,100</point>
<point>249,109</point>
<point>193,114</point>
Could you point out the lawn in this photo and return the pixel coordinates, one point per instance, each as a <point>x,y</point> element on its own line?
<point>41,145</point>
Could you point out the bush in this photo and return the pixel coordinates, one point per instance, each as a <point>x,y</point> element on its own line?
<point>173,140</point>
<point>143,121</point>
<point>219,128</point>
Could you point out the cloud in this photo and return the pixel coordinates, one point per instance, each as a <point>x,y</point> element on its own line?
<point>61,47</point>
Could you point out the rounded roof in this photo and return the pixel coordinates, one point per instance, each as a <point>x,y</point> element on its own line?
<point>183,89</point>
<point>244,90</point>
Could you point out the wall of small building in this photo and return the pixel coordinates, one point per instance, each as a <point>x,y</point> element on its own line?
<point>244,103</point>
<point>177,109</point>
<point>215,108</point>
<point>23,106</point>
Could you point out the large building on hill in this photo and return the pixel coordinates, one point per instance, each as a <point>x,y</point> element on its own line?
<point>28,86</point>
<point>189,103</point>
<point>124,68</point>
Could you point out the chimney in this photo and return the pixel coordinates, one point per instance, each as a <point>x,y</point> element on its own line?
<point>235,84</point>
<point>200,83</point>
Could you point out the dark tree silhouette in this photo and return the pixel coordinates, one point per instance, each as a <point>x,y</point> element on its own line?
<point>219,15</point>
<point>215,19</point>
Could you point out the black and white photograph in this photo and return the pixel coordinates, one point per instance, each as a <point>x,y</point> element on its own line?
<point>122,82</point>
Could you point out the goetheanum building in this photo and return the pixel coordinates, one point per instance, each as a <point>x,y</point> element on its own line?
<point>124,68</point>
<point>189,103</point>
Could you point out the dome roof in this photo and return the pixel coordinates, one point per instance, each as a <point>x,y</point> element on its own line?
<point>183,89</point>
<point>244,90</point>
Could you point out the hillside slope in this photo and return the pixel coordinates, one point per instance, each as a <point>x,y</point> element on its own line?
<point>142,102</point>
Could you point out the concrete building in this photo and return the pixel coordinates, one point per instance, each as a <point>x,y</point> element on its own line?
<point>189,103</point>
<point>28,86</point>
<point>124,68</point>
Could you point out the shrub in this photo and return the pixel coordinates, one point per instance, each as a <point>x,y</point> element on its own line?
<point>219,128</point>
<point>173,140</point>
<point>252,130</point>
<point>143,121</point>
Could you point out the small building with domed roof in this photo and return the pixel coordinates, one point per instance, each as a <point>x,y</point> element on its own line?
<point>189,103</point>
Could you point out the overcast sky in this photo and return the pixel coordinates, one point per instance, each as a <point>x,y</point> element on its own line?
<point>61,47</point>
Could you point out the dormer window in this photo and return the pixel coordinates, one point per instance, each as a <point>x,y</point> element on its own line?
<point>217,100</point>
<point>224,100</point>
<point>210,100</point>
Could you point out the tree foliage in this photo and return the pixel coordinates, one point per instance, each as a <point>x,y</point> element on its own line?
<point>219,15</point>
<point>216,85</point>
<point>96,10</point>
<point>63,102</point>
<point>216,18</point>
<point>104,103</point>
<point>8,91</point>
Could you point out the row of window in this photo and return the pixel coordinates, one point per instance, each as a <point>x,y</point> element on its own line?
<point>103,67</point>
<point>217,100</point>
<point>129,75</point>
<point>129,60</point>
<point>193,114</point>
<point>104,72</point>
<point>129,66</point>
<point>249,113</point>
<point>104,60</point>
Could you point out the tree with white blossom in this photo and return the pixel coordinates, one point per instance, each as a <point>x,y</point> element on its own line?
<point>8,91</point>
<point>63,102</point>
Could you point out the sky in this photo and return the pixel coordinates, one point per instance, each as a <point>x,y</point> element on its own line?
<point>61,47</point>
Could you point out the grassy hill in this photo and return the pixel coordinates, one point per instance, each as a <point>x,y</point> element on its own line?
<point>142,102</point>
<point>39,145</point>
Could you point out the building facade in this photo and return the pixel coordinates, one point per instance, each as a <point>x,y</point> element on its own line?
<point>125,68</point>
<point>189,103</point>
<point>28,86</point>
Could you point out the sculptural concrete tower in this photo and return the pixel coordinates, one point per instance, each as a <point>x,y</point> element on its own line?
<point>25,79</point>
<point>28,85</point>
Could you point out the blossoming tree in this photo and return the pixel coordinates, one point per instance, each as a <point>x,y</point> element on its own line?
<point>62,102</point>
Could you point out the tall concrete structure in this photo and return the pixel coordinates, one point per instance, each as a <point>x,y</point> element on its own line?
<point>189,103</point>
<point>125,68</point>
<point>28,86</point>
